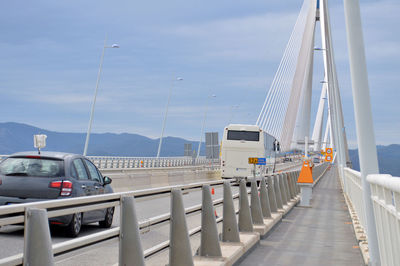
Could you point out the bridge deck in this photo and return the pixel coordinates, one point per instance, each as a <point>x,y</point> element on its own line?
<point>321,235</point>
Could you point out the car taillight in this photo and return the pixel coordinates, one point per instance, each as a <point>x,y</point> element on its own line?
<point>66,187</point>
<point>56,184</point>
<point>1,182</point>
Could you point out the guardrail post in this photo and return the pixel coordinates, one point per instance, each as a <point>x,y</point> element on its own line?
<point>245,220</point>
<point>271,195</point>
<point>265,206</point>
<point>38,249</point>
<point>230,229</point>
<point>294,183</point>
<point>278,193</point>
<point>209,244</point>
<point>282,187</point>
<point>130,247</point>
<point>286,184</point>
<point>296,177</point>
<point>180,251</point>
<point>256,212</point>
<point>289,181</point>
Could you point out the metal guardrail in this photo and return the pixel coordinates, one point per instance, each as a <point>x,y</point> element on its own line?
<point>112,162</point>
<point>17,214</point>
<point>117,162</point>
<point>385,195</point>
<point>282,189</point>
<point>353,190</point>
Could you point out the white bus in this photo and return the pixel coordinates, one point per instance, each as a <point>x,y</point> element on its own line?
<point>240,142</point>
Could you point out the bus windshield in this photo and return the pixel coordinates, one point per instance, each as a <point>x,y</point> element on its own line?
<point>243,135</point>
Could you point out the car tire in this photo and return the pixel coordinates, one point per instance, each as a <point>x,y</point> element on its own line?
<point>108,218</point>
<point>74,227</point>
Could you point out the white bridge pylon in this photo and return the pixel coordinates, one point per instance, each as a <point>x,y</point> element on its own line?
<point>286,111</point>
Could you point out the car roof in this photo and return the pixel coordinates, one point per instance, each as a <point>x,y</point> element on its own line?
<point>52,154</point>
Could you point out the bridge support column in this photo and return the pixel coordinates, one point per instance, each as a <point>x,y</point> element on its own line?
<point>245,219</point>
<point>363,117</point>
<point>130,247</point>
<point>180,251</point>
<point>38,249</point>
<point>209,244</point>
<point>230,229</point>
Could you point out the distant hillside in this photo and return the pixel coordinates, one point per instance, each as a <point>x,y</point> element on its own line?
<point>388,159</point>
<point>15,137</point>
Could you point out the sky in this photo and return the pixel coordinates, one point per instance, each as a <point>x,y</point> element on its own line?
<point>50,53</point>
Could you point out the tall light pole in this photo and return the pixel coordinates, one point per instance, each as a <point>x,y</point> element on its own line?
<point>204,122</point>
<point>165,115</point>
<point>95,94</point>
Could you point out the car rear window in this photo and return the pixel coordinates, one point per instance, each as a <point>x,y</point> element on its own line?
<point>38,167</point>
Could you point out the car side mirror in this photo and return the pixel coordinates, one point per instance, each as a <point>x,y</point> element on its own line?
<point>107,180</point>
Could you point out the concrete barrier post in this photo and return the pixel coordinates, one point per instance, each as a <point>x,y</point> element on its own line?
<point>271,195</point>
<point>265,206</point>
<point>289,181</point>
<point>278,194</point>
<point>256,212</point>
<point>130,246</point>
<point>245,220</point>
<point>180,251</point>
<point>282,187</point>
<point>293,184</point>
<point>230,229</point>
<point>286,183</point>
<point>38,249</point>
<point>209,244</point>
<point>296,177</point>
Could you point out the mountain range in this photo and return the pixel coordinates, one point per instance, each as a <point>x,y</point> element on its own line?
<point>15,137</point>
<point>388,159</point>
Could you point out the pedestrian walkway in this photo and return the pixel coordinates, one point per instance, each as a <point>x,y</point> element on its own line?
<point>321,235</point>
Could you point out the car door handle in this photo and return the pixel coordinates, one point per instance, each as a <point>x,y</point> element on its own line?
<point>83,187</point>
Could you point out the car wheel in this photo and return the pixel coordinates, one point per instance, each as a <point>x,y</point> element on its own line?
<point>74,227</point>
<point>108,218</point>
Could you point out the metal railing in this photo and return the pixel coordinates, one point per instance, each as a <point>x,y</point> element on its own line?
<point>353,190</point>
<point>17,214</point>
<point>385,195</point>
<point>112,162</point>
<point>282,190</point>
<point>118,162</point>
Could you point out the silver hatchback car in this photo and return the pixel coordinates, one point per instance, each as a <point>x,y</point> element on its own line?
<point>29,176</point>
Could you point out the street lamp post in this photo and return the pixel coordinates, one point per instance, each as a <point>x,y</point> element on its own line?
<point>165,115</point>
<point>95,94</point>
<point>204,122</point>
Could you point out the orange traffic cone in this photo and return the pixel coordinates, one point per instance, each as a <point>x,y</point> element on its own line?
<point>212,191</point>
<point>306,173</point>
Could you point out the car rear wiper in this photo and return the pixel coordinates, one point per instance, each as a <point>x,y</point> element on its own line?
<point>17,173</point>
